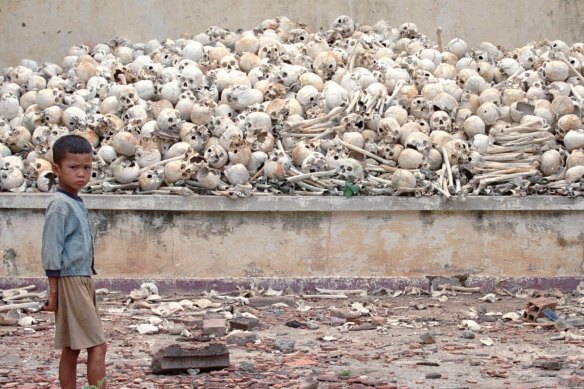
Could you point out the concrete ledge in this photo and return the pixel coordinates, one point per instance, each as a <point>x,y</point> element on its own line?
<point>304,285</point>
<point>300,204</point>
<point>206,237</point>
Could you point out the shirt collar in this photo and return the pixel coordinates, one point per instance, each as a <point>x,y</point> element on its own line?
<point>76,198</point>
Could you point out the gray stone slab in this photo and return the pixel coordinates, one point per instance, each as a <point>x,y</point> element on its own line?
<point>180,357</point>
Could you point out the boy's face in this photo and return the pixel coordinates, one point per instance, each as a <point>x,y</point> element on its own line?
<point>74,172</point>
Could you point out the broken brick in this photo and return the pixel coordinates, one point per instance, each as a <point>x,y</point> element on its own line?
<point>535,307</point>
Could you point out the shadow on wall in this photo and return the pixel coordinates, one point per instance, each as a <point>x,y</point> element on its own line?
<point>45,31</point>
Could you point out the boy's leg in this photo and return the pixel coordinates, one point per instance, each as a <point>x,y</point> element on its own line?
<point>68,368</point>
<point>96,364</point>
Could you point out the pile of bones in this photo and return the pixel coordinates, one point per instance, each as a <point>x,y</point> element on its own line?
<point>278,109</point>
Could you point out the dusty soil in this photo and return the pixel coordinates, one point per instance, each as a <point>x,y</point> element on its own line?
<point>409,341</point>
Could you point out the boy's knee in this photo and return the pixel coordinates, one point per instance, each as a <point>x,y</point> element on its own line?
<point>98,350</point>
<point>70,352</point>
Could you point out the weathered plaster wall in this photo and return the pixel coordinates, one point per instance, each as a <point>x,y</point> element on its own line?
<point>43,30</point>
<point>211,237</point>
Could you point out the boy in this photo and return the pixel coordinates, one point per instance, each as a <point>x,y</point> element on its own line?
<point>67,255</point>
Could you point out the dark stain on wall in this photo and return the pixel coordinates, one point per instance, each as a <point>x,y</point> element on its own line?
<point>427,218</point>
<point>9,262</point>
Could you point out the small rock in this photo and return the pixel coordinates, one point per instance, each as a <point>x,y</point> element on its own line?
<point>244,323</point>
<point>442,281</point>
<point>549,364</point>
<point>247,366</point>
<point>378,320</point>
<point>491,297</point>
<point>471,325</point>
<point>487,318</point>
<point>27,321</point>
<point>146,329</point>
<point>433,376</point>
<point>294,324</point>
<point>309,384</point>
<point>487,341</point>
<point>176,329</point>
<point>285,346</point>
<point>312,325</point>
<point>241,338</point>
<point>513,316</point>
<point>468,334</point>
<point>328,378</point>
<point>570,381</point>
<point>428,338</point>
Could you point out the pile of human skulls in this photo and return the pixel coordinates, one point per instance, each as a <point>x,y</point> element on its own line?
<point>355,109</point>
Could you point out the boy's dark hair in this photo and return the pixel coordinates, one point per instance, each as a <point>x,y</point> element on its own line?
<point>73,144</point>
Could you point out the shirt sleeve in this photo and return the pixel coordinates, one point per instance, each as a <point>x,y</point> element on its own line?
<point>53,240</point>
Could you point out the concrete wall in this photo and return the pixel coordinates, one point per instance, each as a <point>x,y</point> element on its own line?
<point>292,237</point>
<point>43,30</point>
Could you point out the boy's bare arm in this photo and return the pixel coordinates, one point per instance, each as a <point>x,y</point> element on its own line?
<point>51,304</point>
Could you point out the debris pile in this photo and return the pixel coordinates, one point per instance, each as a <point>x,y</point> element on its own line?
<point>278,109</point>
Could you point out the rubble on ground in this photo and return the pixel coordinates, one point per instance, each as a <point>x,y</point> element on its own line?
<point>319,339</point>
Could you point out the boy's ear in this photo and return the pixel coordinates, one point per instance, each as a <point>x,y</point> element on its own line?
<point>56,168</point>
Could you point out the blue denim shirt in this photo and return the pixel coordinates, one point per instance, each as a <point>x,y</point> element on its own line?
<point>67,248</point>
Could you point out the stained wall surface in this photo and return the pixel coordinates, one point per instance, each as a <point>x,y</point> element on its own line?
<point>211,237</point>
<point>43,30</point>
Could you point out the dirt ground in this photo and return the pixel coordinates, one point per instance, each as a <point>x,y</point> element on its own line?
<point>385,341</point>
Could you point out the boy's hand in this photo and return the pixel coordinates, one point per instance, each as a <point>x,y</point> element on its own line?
<point>51,304</point>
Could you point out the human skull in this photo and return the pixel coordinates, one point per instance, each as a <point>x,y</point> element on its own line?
<point>314,162</point>
<point>11,179</point>
<point>408,30</point>
<point>458,152</point>
<point>277,165</point>
<point>274,90</point>
<point>419,141</point>
<point>237,174</point>
<point>389,151</point>
<point>151,179</point>
<point>554,71</point>
<point>52,115</point>
<point>169,120</point>
<point>239,151</point>
<point>185,104</point>
<point>128,97</point>
<point>9,106</point>
<point>197,137</point>
<point>178,170</point>
<point>350,169</point>
<point>229,62</point>
<point>261,141</point>
<point>278,109</point>
<point>256,122</point>
<point>440,121</point>
<point>344,25</point>
<point>216,156</point>
<point>240,97</point>
<point>567,123</point>
<point>420,108</point>
<point>353,122</point>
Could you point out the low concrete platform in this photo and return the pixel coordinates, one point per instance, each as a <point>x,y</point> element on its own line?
<point>207,240</point>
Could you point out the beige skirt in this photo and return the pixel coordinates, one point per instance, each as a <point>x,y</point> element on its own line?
<point>77,323</point>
